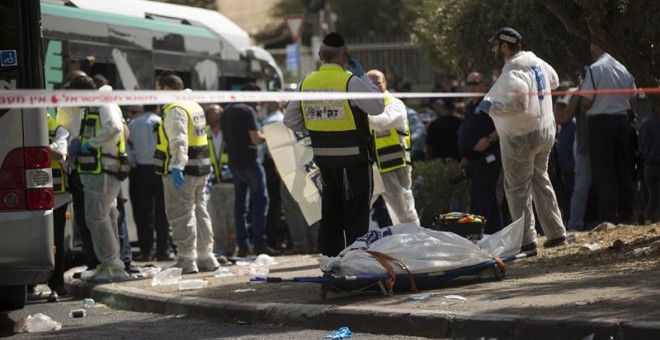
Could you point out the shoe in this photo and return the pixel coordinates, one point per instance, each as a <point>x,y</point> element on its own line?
<point>53,297</point>
<point>187,266</point>
<point>555,242</point>
<point>221,259</point>
<point>208,265</point>
<point>243,252</point>
<point>529,249</point>
<point>90,274</point>
<point>266,250</point>
<point>109,274</point>
<point>165,257</point>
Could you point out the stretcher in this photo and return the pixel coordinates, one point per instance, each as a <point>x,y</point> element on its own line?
<point>412,258</point>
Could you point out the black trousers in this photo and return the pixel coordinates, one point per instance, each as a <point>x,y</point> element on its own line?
<point>381,214</point>
<point>483,189</point>
<point>56,281</point>
<point>652,179</point>
<point>345,206</point>
<point>275,232</point>
<point>609,137</point>
<point>146,193</point>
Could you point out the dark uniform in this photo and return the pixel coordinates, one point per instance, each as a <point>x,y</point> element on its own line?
<point>484,167</point>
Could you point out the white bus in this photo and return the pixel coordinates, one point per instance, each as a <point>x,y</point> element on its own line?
<point>133,40</point>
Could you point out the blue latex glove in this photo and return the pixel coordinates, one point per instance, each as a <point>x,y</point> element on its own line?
<point>484,106</point>
<point>86,148</point>
<point>74,147</point>
<point>355,67</point>
<point>177,179</point>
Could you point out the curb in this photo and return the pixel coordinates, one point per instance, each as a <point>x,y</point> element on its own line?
<point>372,320</point>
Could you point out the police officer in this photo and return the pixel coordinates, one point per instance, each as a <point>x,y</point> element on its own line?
<point>102,165</point>
<point>480,156</point>
<point>182,158</point>
<point>341,142</point>
<point>392,139</point>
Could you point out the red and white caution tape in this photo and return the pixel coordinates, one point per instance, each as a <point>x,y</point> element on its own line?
<point>42,98</point>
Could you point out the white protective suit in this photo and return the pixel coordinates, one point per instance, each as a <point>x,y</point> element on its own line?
<point>522,112</point>
<point>398,183</point>
<point>101,190</point>
<point>186,209</point>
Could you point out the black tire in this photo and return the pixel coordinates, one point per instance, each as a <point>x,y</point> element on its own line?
<point>12,297</point>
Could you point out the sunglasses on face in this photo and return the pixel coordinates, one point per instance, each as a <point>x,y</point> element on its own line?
<point>473,83</point>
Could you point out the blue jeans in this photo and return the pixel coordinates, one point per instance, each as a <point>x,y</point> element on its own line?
<point>254,180</point>
<point>580,191</point>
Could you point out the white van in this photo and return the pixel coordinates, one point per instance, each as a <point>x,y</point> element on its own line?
<point>26,183</point>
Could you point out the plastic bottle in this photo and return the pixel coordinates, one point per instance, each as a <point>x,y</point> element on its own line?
<point>88,303</point>
<point>192,284</point>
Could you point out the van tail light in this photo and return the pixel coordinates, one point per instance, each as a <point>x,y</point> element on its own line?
<point>26,180</point>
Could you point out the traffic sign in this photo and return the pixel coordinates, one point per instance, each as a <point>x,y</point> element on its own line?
<point>295,25</point>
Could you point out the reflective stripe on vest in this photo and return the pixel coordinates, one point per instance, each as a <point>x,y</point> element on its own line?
<point>339,132</point>
<point>392,146</point>
<point>199,163</point>
<point>99,161</point>
<point>221,172</point>
<point>59,185</point>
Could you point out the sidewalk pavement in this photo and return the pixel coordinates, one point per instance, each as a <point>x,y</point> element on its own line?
<point>532,302</point>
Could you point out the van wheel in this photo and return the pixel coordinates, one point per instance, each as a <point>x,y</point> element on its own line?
<point>13,297</point>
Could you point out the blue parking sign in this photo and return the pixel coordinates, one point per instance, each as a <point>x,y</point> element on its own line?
<point>8,58</point>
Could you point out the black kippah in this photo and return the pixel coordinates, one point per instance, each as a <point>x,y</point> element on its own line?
<point>333,39</point>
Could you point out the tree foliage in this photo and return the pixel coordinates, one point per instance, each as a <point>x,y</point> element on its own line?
<point>455,32</point>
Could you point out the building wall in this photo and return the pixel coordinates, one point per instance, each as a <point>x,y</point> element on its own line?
<point>251,15</point>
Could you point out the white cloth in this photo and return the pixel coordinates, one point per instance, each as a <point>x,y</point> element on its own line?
<point>521,99</point>
<point>192,233</point>
<point>101,215</point>
<point>525,165</point>
<point>422,250</point>
<point>293,118</point>
<point>175,124</point>
<point>522,111</point>
<point>399,196</point>
<point>112,126</point>
<point>60,142</point>
<point>395,116</point>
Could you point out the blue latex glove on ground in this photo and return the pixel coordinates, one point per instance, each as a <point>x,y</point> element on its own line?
<point>355,67</point>
<point>484,106</point>
<point>74,147</point>
<point>177,179</point>
<point>86,148</point>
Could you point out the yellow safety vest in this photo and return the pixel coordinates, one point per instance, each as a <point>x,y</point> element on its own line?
<point>339,132</point>
<point>392,146</point>
<point>93,162</point>
<point>199,163</point>
<point>221,172</point>
<point>59,184</point>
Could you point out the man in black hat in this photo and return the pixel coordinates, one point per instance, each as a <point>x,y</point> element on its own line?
<point>342,143</point>
<point>520,104</point>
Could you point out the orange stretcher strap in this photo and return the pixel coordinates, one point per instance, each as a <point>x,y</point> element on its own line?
<point>384,259</point>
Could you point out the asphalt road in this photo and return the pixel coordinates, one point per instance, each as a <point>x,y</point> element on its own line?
<point>102,322</point>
